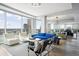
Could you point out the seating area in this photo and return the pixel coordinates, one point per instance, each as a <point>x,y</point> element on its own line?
<point>46,39</point>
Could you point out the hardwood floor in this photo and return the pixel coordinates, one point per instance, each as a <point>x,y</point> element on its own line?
<point>56,52</point>
<point>71,48</point>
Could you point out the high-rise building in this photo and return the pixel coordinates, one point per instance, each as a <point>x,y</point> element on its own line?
<point>25,28</point>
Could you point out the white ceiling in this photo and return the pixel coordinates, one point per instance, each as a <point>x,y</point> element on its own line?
<point>42,10</point>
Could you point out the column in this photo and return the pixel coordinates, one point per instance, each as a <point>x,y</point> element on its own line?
<point>29,26</point>
<point>5,17</point>
<point>44,24</point>
<point>33,26</point>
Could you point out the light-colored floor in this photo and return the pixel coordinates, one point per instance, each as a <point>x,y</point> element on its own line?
<point>71,48</point>
<point>18,50</point>
<point>4,52</point>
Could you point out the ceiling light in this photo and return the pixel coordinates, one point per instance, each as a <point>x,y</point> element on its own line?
<point>36,4</point>
<point>57,17</point>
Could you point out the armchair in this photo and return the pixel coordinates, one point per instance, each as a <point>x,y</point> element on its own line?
<point>23,37</point>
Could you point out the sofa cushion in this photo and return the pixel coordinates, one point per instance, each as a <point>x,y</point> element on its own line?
<point>41,34</point>
<point>34,35</point>
<point>49,35</point>
<point>41,37</point>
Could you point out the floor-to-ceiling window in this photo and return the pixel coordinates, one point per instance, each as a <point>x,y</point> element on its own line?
<point>2,25</point>
<point>24,24</point>
<point>61,27</point>
<point>38,25</point>
<point>52,27</point>
<point>2,21</point>
<point>13,23</point>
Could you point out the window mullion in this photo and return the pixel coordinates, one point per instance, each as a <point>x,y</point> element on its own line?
<point>5,22</point>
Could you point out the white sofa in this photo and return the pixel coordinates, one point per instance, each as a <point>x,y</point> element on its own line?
<point>11,39</point>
